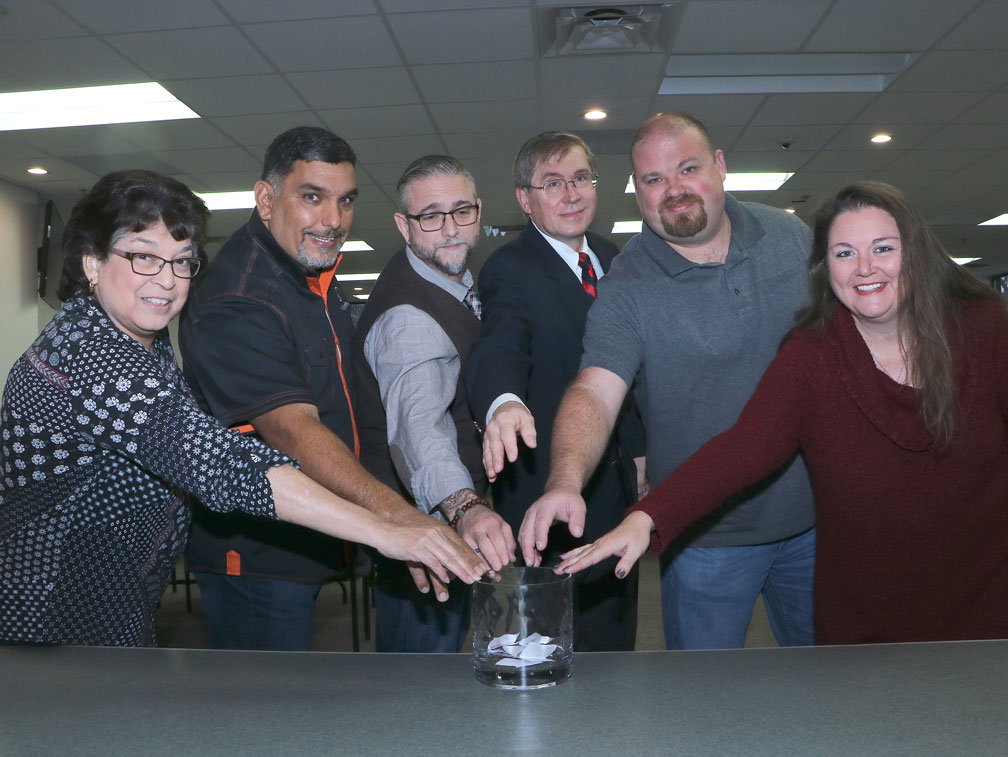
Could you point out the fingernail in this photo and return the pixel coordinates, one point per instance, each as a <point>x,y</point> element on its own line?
<point>425,589</point>
<point>443,596</point>
<point>540,545</point>
<point>621,573</point>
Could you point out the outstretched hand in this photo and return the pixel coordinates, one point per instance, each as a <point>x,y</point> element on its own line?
<point>555,505</point>
<point>629,540</point>
<point>511,421</point>
<point>438,549</point>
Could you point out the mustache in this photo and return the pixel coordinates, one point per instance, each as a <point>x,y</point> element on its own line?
<point>679,199</point>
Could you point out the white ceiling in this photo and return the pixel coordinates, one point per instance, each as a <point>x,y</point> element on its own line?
<point>401,78</point>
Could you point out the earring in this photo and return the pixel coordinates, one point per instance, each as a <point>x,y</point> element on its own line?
<point>91,286</point>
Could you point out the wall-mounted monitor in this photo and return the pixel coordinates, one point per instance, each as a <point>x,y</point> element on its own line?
<point>1000,283</point>
<point>50,256</point>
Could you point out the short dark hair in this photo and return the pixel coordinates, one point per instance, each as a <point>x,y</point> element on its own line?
<point>124,202</point>
<point>547,146</point>
<point>430,165</point>
<point>305,143</point>
<point>932,289</point>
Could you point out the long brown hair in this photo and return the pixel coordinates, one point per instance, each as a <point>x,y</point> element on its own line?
<point>932,287</point>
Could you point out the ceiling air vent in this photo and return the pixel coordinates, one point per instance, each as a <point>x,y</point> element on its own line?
<point>586,30</point>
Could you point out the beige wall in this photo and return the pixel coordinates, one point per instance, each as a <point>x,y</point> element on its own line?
<point>20,235</point>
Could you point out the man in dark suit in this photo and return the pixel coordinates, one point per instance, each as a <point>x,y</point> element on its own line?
<point>536,291</point>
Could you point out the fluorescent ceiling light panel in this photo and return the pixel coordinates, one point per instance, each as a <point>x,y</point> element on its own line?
<point>1001,220</point>
<point>964,261</point>
<point>356,276</point>
<point>788,72</point>
<point>87,106</point>
<point>626,227</point>
<point>742,182</point>
<point>227,200</point>
<point>356,245</point>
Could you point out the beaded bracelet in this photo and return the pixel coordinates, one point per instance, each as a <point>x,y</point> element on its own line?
<point>463,509</point>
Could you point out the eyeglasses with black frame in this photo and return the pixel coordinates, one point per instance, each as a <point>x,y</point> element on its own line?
<point>554,188</point>
<point>465,215</point>
<point>145,264</point>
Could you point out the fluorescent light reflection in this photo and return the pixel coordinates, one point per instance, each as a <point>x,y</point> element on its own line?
<point>227,200</point>
<point>88,106</point>
<point>626,227</point>
<point>1001,220</point>
<point>742,182</point>
<point>356,276</point>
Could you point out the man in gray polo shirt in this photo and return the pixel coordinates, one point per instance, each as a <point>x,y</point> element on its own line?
<point>694,310</point>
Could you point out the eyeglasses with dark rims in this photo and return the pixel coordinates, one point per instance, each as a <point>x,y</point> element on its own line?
<point>434,220</point>
<point>145,264</point>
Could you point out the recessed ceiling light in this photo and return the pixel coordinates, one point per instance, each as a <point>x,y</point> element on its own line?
<point>595,114</point>
<point>358,289</point>
<point>881,139</point>
<point>87,106</point>
<point>789,210</point>
<point>38,170</point>
<point>626,227</point>
<point>742,182</point>
<point>1001,220</point>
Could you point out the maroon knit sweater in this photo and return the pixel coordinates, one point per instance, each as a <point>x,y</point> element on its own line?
<point>911,545</point>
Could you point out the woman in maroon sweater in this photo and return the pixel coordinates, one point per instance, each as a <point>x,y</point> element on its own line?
<point>894,387</point>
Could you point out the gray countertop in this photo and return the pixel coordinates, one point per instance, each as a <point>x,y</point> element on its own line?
<point>948,698</point>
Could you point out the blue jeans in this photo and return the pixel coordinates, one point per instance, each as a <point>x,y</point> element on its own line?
<point>408,621</point>
<point>708,593</point>
<point>245,612</point>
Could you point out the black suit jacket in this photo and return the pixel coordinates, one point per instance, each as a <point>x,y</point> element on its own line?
<point>534,314</point>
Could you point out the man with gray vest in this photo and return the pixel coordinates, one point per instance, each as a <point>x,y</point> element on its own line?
<point>417,433</point>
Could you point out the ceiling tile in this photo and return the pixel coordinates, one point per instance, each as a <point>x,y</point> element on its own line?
<point>261,130</point>
<point>236,95</point>
<point>223,51</point>
<point>325,44</point>
<point>464,36</point>
<point>173,135</point>
<point>916,107</point>
<point>397,149</point>
<point>993,109</point>
<point>109,16</point>
<point>982,28</point>
<point>956,136</point>
<point>955,71</point>
<point>892,25</point>
<point>713,110</point>
<point>507,80</point>
<point>61,63</point>
<point>802,136</point>
<point>812,108</point>
<point>489,116</point>
<point>245,12</point>
<point>731,26</point>
<point>949,160</point>
<point>635,74</point>
<point>78,140</point>
<point>30,19</point>
<point>388,121</point>
<point>363,88</point>
<point>230,159</point>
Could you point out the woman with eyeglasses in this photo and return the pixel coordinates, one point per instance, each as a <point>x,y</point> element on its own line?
<point>101,440</point>
<point>894,388</point>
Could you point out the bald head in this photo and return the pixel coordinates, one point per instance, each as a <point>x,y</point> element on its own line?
<point>669,124</point>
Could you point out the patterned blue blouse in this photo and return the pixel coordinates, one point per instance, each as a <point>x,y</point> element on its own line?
<point>99,442</point>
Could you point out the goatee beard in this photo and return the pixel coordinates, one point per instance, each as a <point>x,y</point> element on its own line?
<point>683,225</point>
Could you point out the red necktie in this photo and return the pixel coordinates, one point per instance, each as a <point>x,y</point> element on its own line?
<point>588,277</point>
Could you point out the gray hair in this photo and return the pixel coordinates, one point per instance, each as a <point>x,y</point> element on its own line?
<point>427,166</point>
